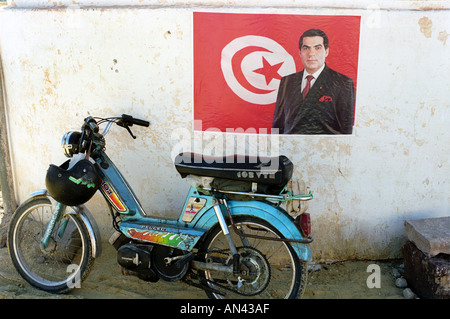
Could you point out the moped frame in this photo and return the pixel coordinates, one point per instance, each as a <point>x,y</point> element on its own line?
<point>137,224</point>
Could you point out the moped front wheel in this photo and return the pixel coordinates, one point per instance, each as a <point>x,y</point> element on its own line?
<point>267,268</point>
<point>66,259</point>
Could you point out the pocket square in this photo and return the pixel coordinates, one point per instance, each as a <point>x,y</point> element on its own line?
<point>326,98</point>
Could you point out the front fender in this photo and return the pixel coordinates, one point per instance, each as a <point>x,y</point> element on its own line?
<point>92,228</point>
<point>276,216</point>
<point>86,217</point>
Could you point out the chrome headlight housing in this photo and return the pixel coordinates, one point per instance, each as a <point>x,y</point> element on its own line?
<point>70,143</point>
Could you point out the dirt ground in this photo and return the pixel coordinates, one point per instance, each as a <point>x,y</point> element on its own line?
<point>341,280</point>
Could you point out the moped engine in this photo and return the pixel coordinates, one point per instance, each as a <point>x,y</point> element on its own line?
<point>135,260</point>
<point>150,262</point>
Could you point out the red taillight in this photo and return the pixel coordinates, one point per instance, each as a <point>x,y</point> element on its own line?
<point>304,221</point>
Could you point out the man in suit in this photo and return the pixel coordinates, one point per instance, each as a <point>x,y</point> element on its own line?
<point>321,104</point>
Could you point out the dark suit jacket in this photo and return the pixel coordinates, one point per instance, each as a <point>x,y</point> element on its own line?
<point>327,109</point>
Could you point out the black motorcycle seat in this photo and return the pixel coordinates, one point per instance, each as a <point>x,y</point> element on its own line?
<point>276,170</point>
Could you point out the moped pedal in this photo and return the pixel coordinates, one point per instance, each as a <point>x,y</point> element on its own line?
<point>183,261</point>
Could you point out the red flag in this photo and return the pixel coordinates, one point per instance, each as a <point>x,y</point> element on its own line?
<point>239,60</point>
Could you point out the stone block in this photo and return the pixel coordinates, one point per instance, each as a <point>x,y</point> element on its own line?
<point>430,235</point>
<point>428,277</point>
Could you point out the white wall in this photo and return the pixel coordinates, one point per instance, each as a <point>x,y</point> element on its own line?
<point>63,62</point>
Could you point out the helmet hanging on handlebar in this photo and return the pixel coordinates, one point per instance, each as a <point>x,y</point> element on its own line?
<point>74,186</point>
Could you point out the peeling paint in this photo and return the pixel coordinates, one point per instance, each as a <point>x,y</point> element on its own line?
<point>425,26</point>
<point>443,36</point>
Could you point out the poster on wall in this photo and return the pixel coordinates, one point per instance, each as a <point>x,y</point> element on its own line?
<point>275,73</point>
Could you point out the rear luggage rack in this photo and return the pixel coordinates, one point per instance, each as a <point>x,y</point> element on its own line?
<point>281,198</point>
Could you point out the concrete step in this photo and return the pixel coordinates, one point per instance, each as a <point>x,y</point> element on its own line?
<point>427,257</point>
<point>430,235</point>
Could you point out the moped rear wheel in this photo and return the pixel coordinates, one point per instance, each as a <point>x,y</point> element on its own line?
<point>268,269</point>
<point>66,260</point>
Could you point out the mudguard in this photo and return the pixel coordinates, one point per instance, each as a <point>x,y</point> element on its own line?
<point>88,219</point>
<point>276,216</point>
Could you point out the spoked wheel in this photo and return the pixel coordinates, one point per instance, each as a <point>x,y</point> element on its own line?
<point>267,269</point>
<point>64,262</point>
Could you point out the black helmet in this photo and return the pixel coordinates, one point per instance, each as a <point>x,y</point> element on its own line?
<point>74,186</point>
<point>70,143</point>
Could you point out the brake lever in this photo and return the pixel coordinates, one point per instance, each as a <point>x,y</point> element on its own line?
<point>129,131</point>
<point>123,124</point>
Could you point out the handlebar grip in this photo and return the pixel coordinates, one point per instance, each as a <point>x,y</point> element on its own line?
<point>131,120</point>
<point>92,124</point>
<point>141,122</point>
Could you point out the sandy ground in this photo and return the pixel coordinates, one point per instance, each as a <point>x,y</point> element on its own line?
<point>341,280</point>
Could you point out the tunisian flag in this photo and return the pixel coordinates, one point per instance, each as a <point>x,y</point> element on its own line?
<point>239,60</point>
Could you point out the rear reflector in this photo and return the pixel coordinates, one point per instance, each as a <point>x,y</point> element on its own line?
<point>304,221</point>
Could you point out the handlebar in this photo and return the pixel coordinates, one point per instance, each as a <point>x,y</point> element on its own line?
<point>91,139</point>
<point>90,128</point>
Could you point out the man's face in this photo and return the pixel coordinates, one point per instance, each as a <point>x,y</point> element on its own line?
<point>313,53</point>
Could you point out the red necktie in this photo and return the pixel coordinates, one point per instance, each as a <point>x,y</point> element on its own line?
<point>307,87</point>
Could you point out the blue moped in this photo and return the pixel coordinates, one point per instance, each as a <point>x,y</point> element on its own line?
<point>232,239</point>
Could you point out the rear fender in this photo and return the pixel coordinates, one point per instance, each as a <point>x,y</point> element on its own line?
<point>276,216</point>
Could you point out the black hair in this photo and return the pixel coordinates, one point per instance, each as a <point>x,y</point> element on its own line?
<point>314,33</point>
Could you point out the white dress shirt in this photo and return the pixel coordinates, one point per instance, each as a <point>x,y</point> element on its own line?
<point>315,75</point>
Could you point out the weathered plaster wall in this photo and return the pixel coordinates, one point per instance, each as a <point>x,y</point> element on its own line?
<point>64,61</point>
